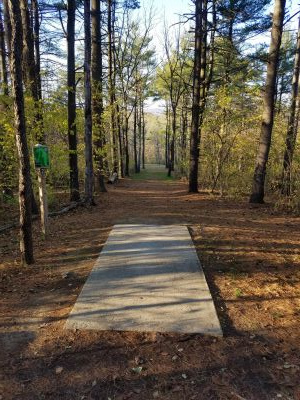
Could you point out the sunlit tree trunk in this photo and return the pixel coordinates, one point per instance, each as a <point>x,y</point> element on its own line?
<point>4,79</point>
<point>36,38</point>
<point>292,124</point>
<point>31,77</point>
<point>126,149</point>
<point>195,140</point>
<point>135,143</point>
<point>89,175</point>
<point>31,82</point>
<point>172,140</point>
<point>97,96</point>
<point>143,135</point>
<point>111,81</point>
<point>258,185</point>
<point>72,131</point>
<point>26,245</point>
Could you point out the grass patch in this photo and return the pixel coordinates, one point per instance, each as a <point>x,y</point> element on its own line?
<point>157,173</point>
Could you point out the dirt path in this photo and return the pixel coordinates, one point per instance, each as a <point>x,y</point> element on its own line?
<point>251,260</point>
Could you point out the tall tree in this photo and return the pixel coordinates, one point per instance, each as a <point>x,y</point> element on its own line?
<point>36,39</point>
<point>89,174</point>
<point>97,92</point>
<point>72,130</point>
<point>258,185</point>
<point>26,245</point>
<point>112,80</point>
<point>4,78</point>
<point>7,26</point>
<point>195,139</point>
<point>292,123</point>
<point>31,78</point>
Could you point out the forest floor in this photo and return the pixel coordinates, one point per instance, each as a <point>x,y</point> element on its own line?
<point>251,258</point>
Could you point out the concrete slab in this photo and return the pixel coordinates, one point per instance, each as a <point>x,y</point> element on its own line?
<point>147,278</point>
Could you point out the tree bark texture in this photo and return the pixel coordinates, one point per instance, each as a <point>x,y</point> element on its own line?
<point>292,124</point>
<point>258,185</point>
<point>111,81</point>
<point>89,175</point>
<point>135,144</point>
<point>195,140</point>
<point>36,38</point>
<point>26,245</point>
<point>72,131</point>
<point>30,73</point>
<point>3,58</point>
<point>7,26</point>
<point>97,95</point>
<point>143,136</point>
<point>172,141</point>
<point>126,146</point>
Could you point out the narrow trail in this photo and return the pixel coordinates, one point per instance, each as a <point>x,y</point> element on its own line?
<point>251,260</point>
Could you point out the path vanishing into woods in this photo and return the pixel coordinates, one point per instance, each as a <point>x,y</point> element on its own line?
<point>251,259</point>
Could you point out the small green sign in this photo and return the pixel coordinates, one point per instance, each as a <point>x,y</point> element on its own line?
<point>41,156</point>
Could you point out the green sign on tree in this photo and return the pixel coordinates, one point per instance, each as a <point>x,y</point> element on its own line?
<point>41,156</point>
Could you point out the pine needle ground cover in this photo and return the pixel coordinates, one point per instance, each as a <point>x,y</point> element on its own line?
<point>251,260</point>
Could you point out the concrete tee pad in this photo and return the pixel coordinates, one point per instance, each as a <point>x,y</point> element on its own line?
<point>147,278</point>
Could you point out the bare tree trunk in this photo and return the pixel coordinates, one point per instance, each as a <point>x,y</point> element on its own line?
<point>7,26</point>
<point>184,127</point>
<point>31,77</point>
<point>292,124</point>
<point>140,132</point>
<point>97,97</point>
<point>31,82</point>
<point>36,38</point>
<point>258,186</point>
<point>195,139</point>
<point>167,143</point>
<point>143,136</point>
<point>111,81</point>
<point>89,175</point>
<point>3,58</point>
<point>120,139</point>
<point>26,245</point>
<point>172,143</point>
<point>72,131</point>
<point>135,149</point>
<point>126,147</point>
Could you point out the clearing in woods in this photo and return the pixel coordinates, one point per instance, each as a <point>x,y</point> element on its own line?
<point>250,256</point>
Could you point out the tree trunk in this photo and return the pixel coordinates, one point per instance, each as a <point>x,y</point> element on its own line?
<point>195,139</point>
<point>184,127</point>
<point>167,140</point>
<point>31,76</point>
<point>72,131</point>
<point>172,144</point>
<point>31,82</point>
<point>120,140</point>
<point>140,133</point>
<point>89,175</point>
<point>258,186</point>
<point>111,81</point>
<point>97,97</point>
<point>3,58</point>
<point>36,38</point>
<point>135,150</point>
<point>143,136</point>
<point>126,147</point>
<point>26,245</point>
<point>7,26</point>
<point>292,124</point>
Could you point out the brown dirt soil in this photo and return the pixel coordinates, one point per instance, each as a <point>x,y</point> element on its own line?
<point>251,259</point>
